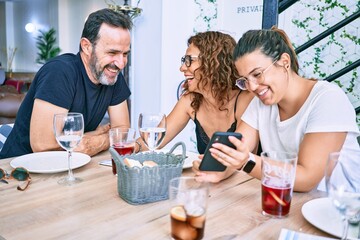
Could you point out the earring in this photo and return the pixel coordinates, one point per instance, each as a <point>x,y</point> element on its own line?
<point>286,64</point>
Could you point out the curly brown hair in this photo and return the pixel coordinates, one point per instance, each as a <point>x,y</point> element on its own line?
<point>217,67</point>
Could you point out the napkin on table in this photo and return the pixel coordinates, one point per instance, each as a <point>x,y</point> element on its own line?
<point>287,234</point>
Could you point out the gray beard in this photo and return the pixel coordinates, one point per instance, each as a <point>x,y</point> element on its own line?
<point>100,76</point>
<point>102,79</point>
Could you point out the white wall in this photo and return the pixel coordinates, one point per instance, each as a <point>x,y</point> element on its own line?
<point>178,22</point>
<point>43,13</point>
<point>72,16</point>
<point>146,60</point>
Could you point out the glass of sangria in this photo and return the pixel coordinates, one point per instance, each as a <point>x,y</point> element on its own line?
<point>278,170</point>
<point>123,141</point>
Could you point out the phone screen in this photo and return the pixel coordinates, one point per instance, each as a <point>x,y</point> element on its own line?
<point>209,163</point>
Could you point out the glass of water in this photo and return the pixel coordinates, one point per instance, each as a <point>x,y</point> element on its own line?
<point>342,187</point>
<point>69,130</point>
<point>152,129</point>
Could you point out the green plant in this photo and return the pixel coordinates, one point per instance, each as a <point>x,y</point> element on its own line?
<point>207,17</point>
<point>45,43</point>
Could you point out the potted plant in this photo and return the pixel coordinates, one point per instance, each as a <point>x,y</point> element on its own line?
<point>45,43</point>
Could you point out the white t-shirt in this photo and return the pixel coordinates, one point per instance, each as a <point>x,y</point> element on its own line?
<point>327,109</point>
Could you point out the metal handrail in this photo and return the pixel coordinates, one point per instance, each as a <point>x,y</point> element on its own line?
<point>285,4</point>
<point>343,71</point>
<point>327,32</point>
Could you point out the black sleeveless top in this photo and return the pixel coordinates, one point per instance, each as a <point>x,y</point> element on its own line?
<point>202,139</point>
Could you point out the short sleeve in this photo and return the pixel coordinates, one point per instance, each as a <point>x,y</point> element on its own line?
<point>251,114</point>
<point>122,91</point>
<point>332,111</point>
<point>56,84</point>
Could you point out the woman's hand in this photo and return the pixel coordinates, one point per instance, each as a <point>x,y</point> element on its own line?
<point>206,176</point>
<point>229,157</point>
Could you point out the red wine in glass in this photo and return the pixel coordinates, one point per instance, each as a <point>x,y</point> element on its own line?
<point>122,150</point>
<point>276,201</point>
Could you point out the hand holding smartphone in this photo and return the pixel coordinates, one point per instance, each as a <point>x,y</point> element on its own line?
<point>209,163</point>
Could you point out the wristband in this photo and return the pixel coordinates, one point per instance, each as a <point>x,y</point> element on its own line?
<point>139,144</point>
<point>248,167</point>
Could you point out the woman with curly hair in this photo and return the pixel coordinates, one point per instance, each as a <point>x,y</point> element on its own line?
<point>210,96</point>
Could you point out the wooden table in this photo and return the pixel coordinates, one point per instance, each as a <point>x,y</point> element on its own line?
<point>94,210</point>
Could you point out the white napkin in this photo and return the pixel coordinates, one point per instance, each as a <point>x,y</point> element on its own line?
<point>287,234</point>
<point>106,162</point>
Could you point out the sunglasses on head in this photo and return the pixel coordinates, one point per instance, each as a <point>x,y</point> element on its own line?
<point>19,173</point>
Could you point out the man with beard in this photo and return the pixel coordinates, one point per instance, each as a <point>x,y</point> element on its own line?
<point>89,83</point>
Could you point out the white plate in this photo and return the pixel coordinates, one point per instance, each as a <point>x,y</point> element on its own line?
<point>49,162</point>
<point>322,214</point>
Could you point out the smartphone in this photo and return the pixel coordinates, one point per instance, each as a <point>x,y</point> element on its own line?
<point>208,163</point>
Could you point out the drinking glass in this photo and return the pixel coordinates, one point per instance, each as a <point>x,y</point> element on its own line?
<point>69,130</point>
<point>342,189</point>
<point>152,129</point>
<point>123,141</point>
<point>188,200</point>
<point>278,170</point>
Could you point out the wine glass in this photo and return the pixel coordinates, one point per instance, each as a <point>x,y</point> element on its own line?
<point>152,129</point>
<point>69,130</point>
<point>342,189</point>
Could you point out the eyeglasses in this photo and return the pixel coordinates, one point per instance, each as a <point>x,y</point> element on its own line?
<point>256,77</point>
<point>188,59</point>
<point>19,173</point>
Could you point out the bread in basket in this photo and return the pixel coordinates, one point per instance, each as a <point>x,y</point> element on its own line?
<point>145,184</point>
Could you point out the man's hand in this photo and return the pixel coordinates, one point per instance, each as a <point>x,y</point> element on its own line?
<point>95,141</point>
<point>101,129</point>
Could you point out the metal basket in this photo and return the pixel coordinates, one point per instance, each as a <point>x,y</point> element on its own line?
<point>148,184</point>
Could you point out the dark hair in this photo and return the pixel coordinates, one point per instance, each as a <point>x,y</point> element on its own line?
<point>108,16</point>
<point>217,67</point>
<point>271,43</point>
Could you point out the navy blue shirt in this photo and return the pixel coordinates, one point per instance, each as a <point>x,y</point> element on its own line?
<point>63,81</point>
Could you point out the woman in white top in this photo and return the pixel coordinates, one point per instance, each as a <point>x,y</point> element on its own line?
<point>290,113</point>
